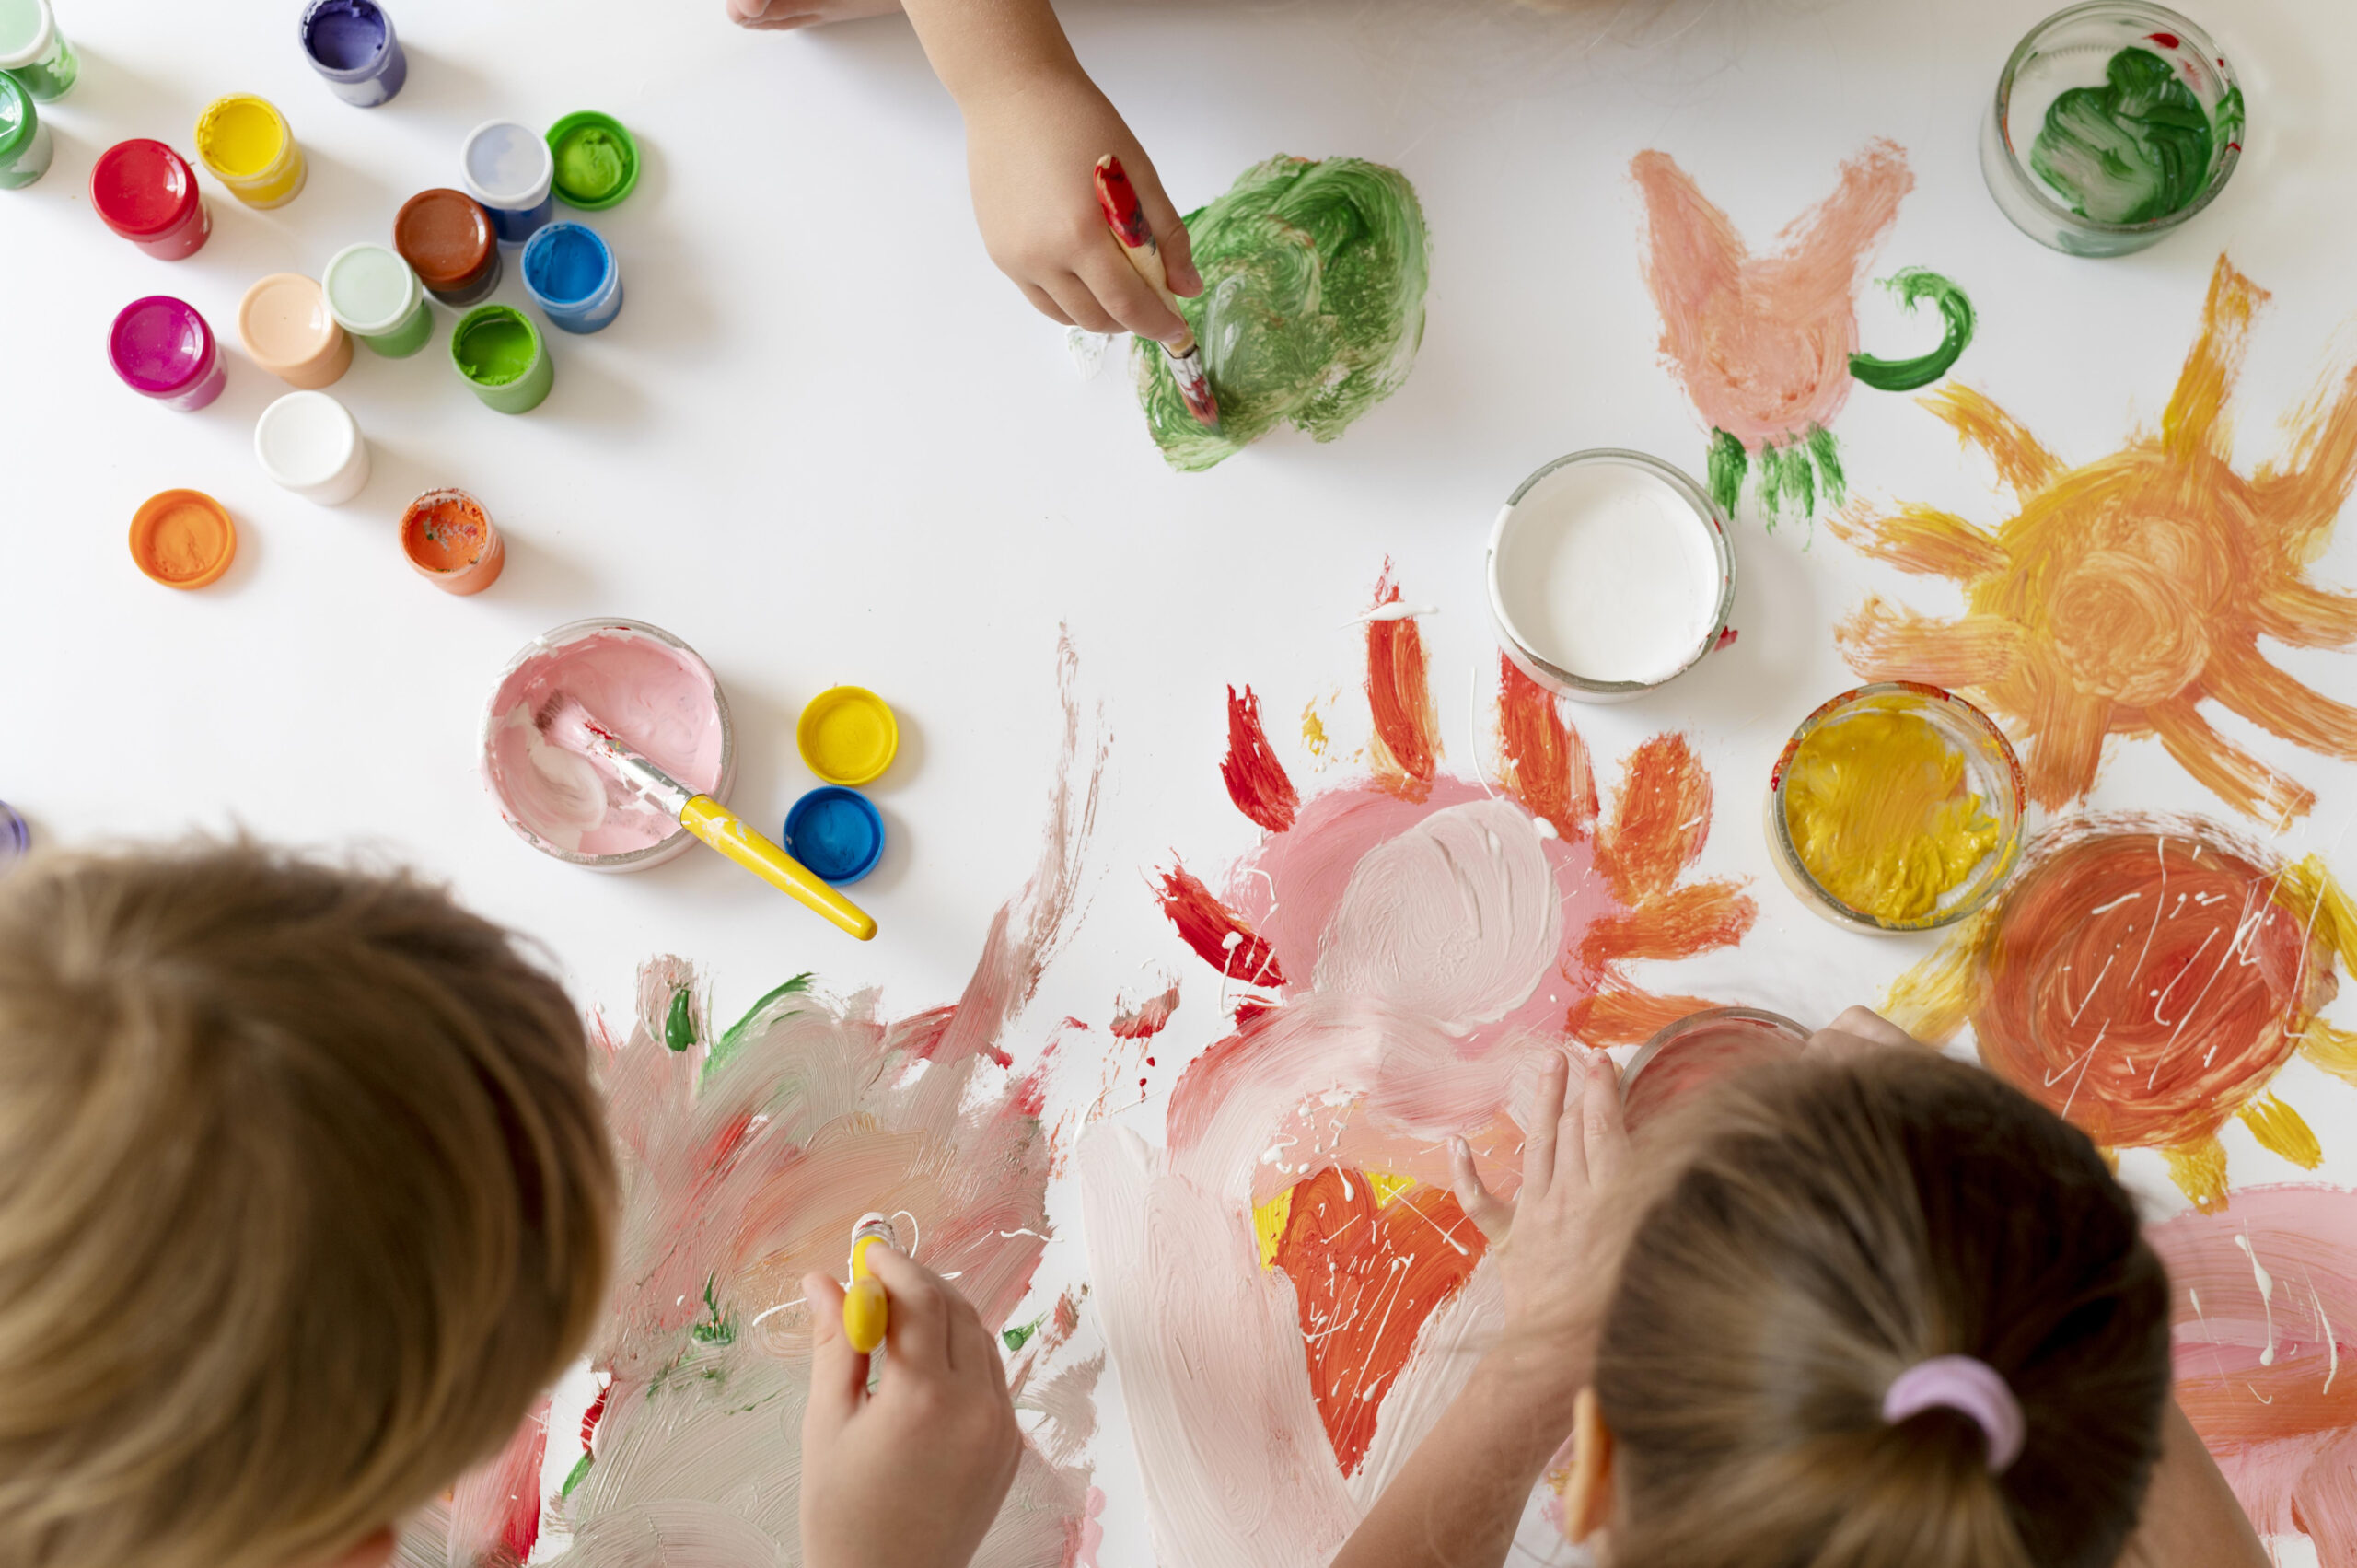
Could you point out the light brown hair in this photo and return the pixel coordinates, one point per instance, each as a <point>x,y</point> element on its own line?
<point>1815,1230</point>
<point>304,1193</point>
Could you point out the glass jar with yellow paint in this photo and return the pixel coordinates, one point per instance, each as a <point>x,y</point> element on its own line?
<point>1896,806</point>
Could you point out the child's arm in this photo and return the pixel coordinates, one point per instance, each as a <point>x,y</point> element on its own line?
<point>939,1428</point>
<point>1035,127</point>
<point>2192,1519</point>
<point>1457,1504</point>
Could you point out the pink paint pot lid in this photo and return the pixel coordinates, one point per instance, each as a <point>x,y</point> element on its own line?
<point>159,344</point>
<point>141,188</point>
<point>284,322</point>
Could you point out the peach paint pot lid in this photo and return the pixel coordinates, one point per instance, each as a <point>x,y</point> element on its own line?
<point>182,539</point>
<point>284,322</point>
<point>450,541</point>
<point>847,735</point>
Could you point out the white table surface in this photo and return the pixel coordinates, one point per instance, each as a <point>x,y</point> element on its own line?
<point>827,442</point>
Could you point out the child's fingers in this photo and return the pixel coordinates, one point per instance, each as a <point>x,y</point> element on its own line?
<point>1490,1216</point>
<point>1044,304</point>
<point>1079,303</point>
<point>1864,1026</point>
<point>1604,1134</point>
<point>1179,260</point>
<point>838,1373</point>
<point>1130,298</point>
<point>1170,230</point>
<point>916,1329</point>
<point>1539,1140</point>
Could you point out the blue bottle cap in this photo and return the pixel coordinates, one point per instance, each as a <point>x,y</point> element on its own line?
<point>837,832</point>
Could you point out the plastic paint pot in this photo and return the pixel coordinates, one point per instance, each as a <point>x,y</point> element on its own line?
<point>446,237</point>
<point>16,839</point>
<point>250,147</point>
<point>500,353</point>
<point>164,350</point>
<point>34,52</point>
<point>449,539</point>
<point>308,443</point>
<point>597,161</point>
<point>374,296</point>
<point>847,735</point>
<point>837,832</point>
<point>571,275</point>
<point>182,539</point>
<point>26,146</point>
<point>148,194</point>
<point>511,172</point>
<point>284,324</point>
<point>351,44</point>
<point>1700,1049</point>
<point>1609,575</point>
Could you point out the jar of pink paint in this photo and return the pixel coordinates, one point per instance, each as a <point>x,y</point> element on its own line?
<point>164,350</point>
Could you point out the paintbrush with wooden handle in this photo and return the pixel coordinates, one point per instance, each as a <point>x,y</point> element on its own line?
<point>1126,217</point>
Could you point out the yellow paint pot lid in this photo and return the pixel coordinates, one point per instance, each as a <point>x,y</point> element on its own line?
<point>847,735</point>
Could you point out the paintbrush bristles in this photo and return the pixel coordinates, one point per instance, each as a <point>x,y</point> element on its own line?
<point>572,727</point>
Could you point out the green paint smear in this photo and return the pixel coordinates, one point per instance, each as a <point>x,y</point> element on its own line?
<point>1914,286</point>
<point>2136,148</point>
<point>496,350</point>
<point>1792,476</point>
<point>1728,466</point>
<point>1312,309</point>
<point>715,1329</point>
<point>1020,1335</point>
<point>679,1025</point>
<point>1828,455</point>
<point>589,163</point>
<point>575,1477</point>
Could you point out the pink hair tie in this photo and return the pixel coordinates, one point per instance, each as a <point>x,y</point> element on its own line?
<point>1961,1383</point>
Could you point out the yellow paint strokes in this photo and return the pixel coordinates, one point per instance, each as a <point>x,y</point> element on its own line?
<point>1268,1222</point>
<point>1312,729</point>
<point>2199,1170</point>
<point>2330,1047</point>
<point>1878,808</point>
<point>1387,1185</point>
<point>1931,1000</point>
<point>2280,1128</point>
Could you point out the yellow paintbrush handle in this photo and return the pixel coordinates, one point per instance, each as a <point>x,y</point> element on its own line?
<point>721,829</point>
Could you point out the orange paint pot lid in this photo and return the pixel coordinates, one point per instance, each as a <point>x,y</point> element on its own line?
<point>183,538</point>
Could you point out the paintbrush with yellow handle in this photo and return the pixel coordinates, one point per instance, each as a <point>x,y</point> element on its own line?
<point>570,725</point>
<point>1126,217</point>
<point>865,1312</point>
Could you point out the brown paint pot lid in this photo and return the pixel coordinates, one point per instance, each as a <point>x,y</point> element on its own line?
<point>447,236</point>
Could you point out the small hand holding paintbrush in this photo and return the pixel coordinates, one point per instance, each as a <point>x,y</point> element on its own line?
<point>1126,217</point>
<point>570,725</point>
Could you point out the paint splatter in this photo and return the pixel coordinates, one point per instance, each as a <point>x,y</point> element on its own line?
<point>2147,980</point>
<point>2138,147</point>
<point>1148,1016</point>
<point>742,1172</point>
<point>2265,1311</point>
<point>2127,591</point>
<point>1312,309</point>
<point>1767,346</point>
<point>1289,1291</point>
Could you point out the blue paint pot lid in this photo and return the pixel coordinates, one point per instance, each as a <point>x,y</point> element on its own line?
<point>837,832</point>
<point>566,264</point>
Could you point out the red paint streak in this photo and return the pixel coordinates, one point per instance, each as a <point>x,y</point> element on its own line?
<point>2165,40</point>
<point>1661,819</point>
<point>2140,983</point>
<point>1545,762</point>
<point>1364,1280</point>
<point>1251,1008</point>
<point>1207,925</point>
<point>1400,698</point>
<point>1147,1020</point>
<point>1119,201</point>
<point>1256,780</point>
<point>596,1408</point>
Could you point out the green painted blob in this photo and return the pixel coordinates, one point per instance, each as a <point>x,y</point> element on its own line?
<point>576,1476</point>
<point>1728,463</point>
<point>1312,309</point>
<point>2136,148</point>
<point>1020,1335</point>
<point>590,163</point>
<point>679,1024</point>
<point>1828,460</point>
<point>1914,286</point>
<point>1793,475</point>
<point>496,349</point>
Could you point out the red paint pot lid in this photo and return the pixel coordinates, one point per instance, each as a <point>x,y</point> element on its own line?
<point>141,188</point>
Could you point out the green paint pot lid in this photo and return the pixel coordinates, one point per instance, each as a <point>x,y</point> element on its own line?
<point>17,117</point>
<point>596,162</point>
<point>496,345</point>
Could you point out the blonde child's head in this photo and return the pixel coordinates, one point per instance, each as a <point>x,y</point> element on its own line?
<point>1814,1236</point>
<point>304,1193</point>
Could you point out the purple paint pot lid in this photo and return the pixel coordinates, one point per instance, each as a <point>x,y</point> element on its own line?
<point>159,344</point>
<point>16,839</point>
<point>346,39</point>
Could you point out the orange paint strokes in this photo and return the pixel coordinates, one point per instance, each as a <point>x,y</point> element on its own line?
<point>1256,780</point>
<point>1661,819</point>
<point>1542,761</point>
<point>2126,593</point>
<point>1365,1278</point>
<point>1406,745</point>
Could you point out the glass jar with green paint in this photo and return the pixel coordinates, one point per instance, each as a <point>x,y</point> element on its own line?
<point>2114,123</point>
<point>502,355</point>
<point>34,52</point>
<point>24,145</point>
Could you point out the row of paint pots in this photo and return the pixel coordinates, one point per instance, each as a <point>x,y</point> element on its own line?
<point>184,538</point>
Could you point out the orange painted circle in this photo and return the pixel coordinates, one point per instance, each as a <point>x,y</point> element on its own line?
<point>182,539</point>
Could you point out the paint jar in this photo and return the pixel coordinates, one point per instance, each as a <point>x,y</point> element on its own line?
<point>449,537</point>
<point>2091,145</point>
<point>562,803</point>
<point>847,735</point>
<point>511,172</point>
<point>1896,806</point>
<point>148,194</point>
<point>837,832</point>
<point>26,146</point>
<point>571,275</point>
<point>597,161</point>
<point>308,443</point>
<point>1610,573</point>
<point>250,148</point>
<point>374,296</point>
<point>34,52</point>
<point>447,236</point>
<point>1699,1049</point>
<point>16,839</point>
<point>500,353</point>
<point>352,45</point>
<point>164,350</point>
<point>284,323</point>
<point>182,539</point>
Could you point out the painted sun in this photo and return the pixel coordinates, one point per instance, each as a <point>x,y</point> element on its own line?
<point>2128,591</point>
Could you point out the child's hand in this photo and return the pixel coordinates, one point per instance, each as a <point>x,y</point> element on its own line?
<point>1859,1030</point>
<point>939,1428</point>
<point>776,14</point>
<point>1031,153</point>
<point>1540,1240</point>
